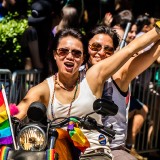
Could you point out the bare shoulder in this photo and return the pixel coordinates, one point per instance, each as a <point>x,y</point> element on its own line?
<point>39,92</point>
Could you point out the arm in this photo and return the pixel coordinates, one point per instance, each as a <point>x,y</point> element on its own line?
<point>135,66</point>
<point>38,93</point>
<point>158,60</point>
<point>33,46</point>
<point>32,41</point>
<point>107,67</point>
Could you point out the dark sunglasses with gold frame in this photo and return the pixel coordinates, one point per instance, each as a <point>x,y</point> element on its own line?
<point>62,52</point>
<point>97,47</point>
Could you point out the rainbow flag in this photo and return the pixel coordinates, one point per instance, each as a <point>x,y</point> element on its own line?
<point>5,130</point>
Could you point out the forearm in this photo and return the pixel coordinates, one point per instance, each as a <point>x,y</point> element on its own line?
<point>110,65</point>
<point>158,60</point>
<point>137,65</point>
<point>143,41</point>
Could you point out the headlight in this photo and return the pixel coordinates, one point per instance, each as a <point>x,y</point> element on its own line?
<point>32,138</point>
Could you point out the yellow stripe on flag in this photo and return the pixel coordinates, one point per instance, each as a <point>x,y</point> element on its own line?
<point>3,116</point>
<point>2,108</point>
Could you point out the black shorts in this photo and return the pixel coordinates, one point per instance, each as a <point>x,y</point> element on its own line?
<point>135,104</point>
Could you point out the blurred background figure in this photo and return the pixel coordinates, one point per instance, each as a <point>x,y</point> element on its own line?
<point>5,6</point>
<point>144,25</point>
<point>71,16</point>
<point>137,112</point>
<point>121,5</point>
<point>137,115</point>
<point>36,38</point>
<point>19,6</point>
<point>95,11</point>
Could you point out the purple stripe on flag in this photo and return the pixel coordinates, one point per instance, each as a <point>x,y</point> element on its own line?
<point>6,140</point>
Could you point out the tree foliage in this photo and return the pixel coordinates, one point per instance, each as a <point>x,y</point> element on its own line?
<point>11,31</point>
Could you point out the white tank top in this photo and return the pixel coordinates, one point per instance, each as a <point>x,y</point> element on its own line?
<point>82,105</point>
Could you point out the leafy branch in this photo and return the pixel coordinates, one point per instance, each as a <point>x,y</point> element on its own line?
<point>11,31</point>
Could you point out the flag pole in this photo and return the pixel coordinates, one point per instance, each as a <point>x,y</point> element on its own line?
<point>9,118</point>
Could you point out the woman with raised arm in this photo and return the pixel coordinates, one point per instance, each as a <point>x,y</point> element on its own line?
<point>102,45</point>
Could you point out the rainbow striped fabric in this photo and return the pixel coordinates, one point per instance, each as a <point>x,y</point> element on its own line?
<point>78,138</point>
<point>51,154</point>
<point>4,150</point>
<point>5,131</point>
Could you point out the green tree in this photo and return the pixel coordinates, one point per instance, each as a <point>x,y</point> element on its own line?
<point>11,31</point>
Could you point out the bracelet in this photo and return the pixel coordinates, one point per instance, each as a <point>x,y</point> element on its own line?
<point>157,27</point>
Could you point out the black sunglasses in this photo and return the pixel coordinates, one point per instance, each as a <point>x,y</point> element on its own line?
<point>62,52</point>
<point>97,47</point>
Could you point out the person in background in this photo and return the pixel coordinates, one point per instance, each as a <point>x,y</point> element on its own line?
<point>13,6</point>
<point>70,18</point>
<point>143,25</point>
<point>137,115</point>
<point>137,110</point>
<point>121,5</point>
<point>6,6</point>
<point>36,36</point>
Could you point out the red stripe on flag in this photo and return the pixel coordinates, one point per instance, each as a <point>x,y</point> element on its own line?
<point>1,99</point>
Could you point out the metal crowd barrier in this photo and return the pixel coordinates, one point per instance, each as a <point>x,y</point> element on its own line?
<point>146,88</point>
<point>22,81</point>
<point>6,81</point>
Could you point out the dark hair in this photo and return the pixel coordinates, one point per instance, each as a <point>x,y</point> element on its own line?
<point>65,33</point>
<point>122,19</point>
<point>103,29</point>
<point>70,17</point>
<point>141,21</point>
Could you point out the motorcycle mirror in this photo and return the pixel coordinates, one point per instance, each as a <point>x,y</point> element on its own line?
<point>105,107</point>
<point>36,111</point>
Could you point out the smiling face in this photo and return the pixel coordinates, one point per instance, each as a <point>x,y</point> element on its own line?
<point>106,43</point>
<point>131,34</point>
<point>69,55</point>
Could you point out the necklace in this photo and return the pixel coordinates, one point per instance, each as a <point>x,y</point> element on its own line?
<point>70,106</point>
<point>68,88</point>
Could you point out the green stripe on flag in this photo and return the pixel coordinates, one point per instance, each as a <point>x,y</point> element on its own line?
<point>5,124</point>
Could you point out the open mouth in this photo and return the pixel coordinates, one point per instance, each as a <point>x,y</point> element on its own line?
<point>69,66</point>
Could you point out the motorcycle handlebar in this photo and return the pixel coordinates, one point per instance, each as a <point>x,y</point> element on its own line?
<point>86,122</point>
<point>107,131</point>
<point>61,123</point>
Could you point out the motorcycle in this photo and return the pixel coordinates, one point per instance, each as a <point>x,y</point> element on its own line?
<point>40,138</point>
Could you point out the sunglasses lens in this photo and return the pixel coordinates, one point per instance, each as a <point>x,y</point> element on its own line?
<point>108,50</point>
<point>95,47</point>
<point>76,53</point>
<point>62,51</point>
<point>65,51</point>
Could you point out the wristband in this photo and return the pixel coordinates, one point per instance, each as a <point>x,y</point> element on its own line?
<point>157,27</point>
